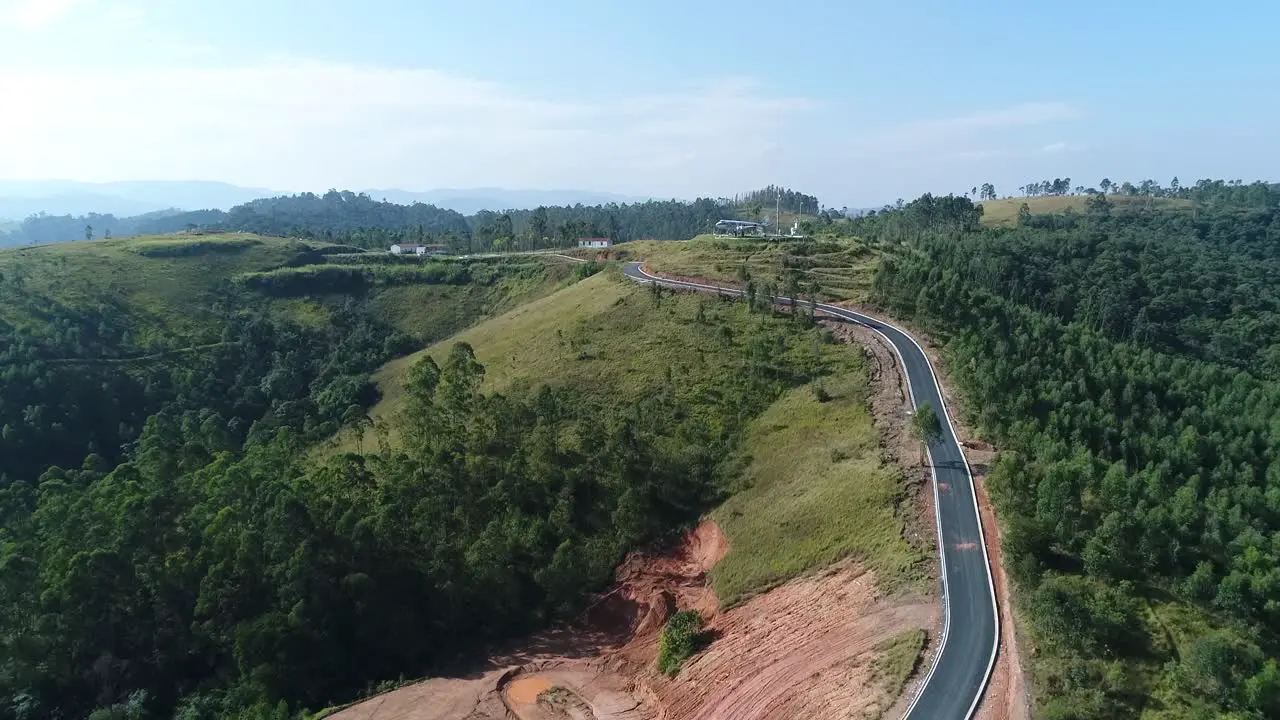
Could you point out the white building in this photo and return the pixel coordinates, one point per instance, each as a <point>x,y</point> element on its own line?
<point>408,249</point>
<point>595,242</point>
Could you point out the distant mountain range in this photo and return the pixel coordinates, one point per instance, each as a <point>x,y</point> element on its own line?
<point>20,199</point>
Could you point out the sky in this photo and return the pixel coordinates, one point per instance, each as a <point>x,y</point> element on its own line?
<point>857,102</point>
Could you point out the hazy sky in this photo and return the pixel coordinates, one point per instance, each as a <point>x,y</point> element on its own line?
<point>858,102</point>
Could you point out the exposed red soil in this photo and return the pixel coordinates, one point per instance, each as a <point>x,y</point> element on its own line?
<point>805,649</point>
<point>802,650</point>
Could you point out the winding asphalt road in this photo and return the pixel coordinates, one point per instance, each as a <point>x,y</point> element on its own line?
<point>971,628</point>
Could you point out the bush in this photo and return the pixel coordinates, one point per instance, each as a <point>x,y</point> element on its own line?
<point>329,279</point>
<point>193,248</point>
<point>681,639</point>
<point>582,271</point>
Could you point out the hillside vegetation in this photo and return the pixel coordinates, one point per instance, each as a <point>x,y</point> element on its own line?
<point>206,565</point>
<point>809,484</point>
<point>1127,365</point>
<point>95,337</point>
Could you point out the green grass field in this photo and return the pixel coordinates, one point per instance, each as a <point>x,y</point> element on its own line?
<point>843,268</point>
<point>1004,213</point>
<point>815,490</point>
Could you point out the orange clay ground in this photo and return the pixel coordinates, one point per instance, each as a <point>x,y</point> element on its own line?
<point>803,650</point>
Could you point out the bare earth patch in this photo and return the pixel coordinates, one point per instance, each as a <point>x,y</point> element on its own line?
<point>806,649</point>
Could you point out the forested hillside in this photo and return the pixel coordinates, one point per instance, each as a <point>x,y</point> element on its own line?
<point>1126,362</point>
<point>171,547</point>
<point>96,338</point>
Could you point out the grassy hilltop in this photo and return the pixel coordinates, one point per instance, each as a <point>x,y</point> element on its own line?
<point>812,486</point>
<point>1003,213</point>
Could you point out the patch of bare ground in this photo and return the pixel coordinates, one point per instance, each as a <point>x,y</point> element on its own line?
<point>802,650</point>
<point>805,649</point>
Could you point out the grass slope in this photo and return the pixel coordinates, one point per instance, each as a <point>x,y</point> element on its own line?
<point>1004,212</point>
<point>815,490</point>
<point>811,488</point>
<point>898,660</point>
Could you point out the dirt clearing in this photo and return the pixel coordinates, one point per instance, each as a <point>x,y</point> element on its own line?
<point>809,648</point>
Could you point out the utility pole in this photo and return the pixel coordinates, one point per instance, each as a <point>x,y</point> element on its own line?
<point>777,215</point>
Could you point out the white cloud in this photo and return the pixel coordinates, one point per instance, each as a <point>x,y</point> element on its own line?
<point>303,124</point>
<point>33,15</point>
<point>1061,146</point>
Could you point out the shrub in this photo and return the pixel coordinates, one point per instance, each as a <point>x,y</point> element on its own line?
<point>681,639</point>
<point>582,271</point>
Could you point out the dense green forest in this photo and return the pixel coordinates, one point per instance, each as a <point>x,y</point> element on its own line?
<point>171,547</point>
<point>1128,366</point>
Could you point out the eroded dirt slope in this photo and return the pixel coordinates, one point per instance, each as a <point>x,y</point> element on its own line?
<point>805,649</point>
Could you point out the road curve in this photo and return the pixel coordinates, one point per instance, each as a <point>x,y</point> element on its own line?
<point>971,628</point>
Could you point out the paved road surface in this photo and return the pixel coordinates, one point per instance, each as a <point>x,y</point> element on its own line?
<point>970,634</point>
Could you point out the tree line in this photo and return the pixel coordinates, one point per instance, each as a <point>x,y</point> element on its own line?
<point>357,219</point>
<point>1204,191</point>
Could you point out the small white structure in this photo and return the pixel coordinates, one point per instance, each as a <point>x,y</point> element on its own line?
<point>595,242</point>
<point>408,249</point>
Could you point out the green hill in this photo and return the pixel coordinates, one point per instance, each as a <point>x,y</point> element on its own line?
<point>162,499</point>
<point>142,323</point>
<point>612,341</point>
<point>831,268</point>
